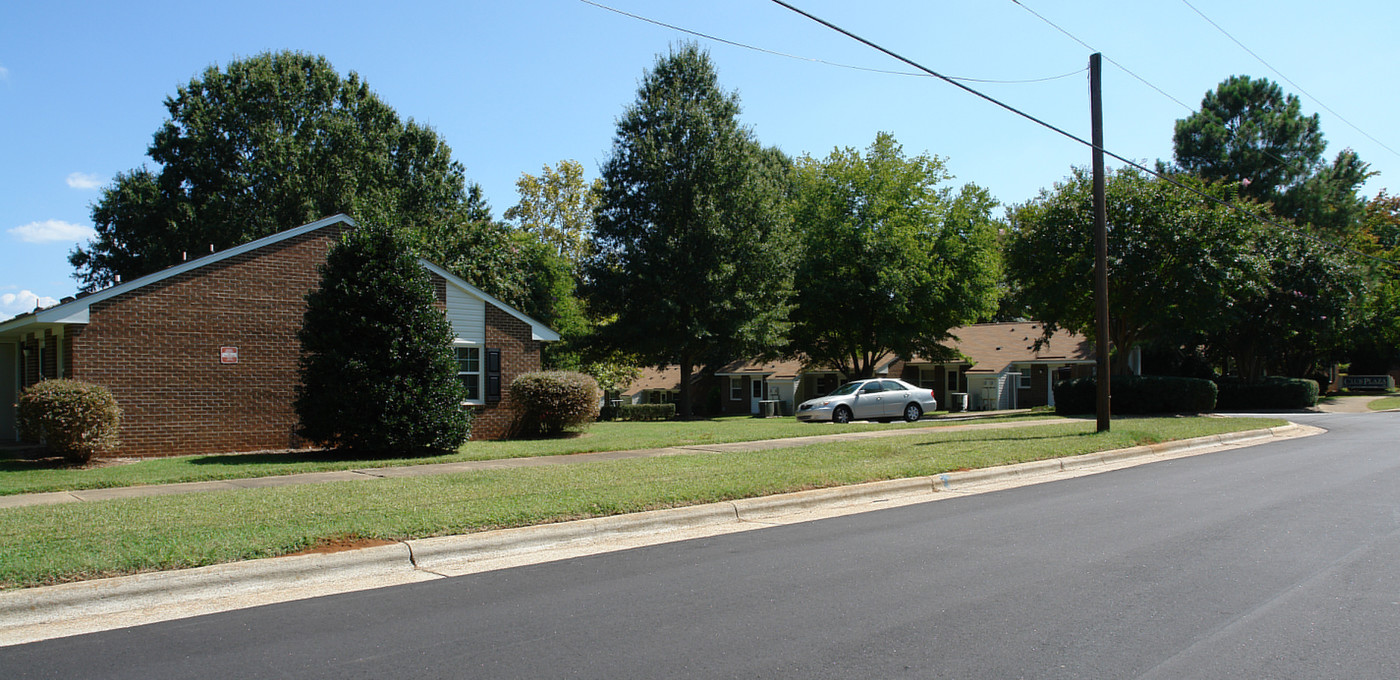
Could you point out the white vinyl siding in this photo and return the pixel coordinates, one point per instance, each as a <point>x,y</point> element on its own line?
<point>467,314</point>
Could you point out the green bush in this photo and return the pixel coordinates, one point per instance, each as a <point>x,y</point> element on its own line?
<point>1137,394</point>
<point>642,412</point>
<point>378,373</point>
<point>75,419</point>
<point>1283,393</point>
<point>550,401</point>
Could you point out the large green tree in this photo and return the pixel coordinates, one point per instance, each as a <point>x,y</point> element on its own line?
<point>692,240</point>
<point>262,145</point>
<point>377,370</point>
<point>891,260</point>
<point>1250,134</point>
<point>1175,262</point>
<point>557,206</point>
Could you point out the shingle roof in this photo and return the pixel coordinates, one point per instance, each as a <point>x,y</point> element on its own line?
<point>992,347</point>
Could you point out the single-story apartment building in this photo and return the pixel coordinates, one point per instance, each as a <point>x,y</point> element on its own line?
<point>202,356</point>
<point>1000,366</point>
<point>742,386</point>
<point>1003,365</point>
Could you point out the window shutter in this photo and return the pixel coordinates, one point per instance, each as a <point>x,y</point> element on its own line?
<point>493,374</point>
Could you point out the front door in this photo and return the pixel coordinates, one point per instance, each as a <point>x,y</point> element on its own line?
<point>755,394</point>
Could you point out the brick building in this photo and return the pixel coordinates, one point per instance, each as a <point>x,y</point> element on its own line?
<point>202,356</point>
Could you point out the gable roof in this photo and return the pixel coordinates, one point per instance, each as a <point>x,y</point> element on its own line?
<point>538,331</point>
<point>778,369</point>
<point>76,310</point>
<point>993,347</point>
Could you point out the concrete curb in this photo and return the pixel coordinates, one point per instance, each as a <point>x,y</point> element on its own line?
<point>52,611</point>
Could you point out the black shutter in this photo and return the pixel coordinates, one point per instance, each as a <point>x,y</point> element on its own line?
<point>493,375</point>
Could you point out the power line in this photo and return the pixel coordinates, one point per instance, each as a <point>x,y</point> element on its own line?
<point>1286,78</point>
<point>1297,167</point>
<point>775,53</point>
<point>1229,204</point>
<point>1110,60</point>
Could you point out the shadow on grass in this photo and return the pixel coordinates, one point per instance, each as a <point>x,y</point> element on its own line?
<point>11,462</point>
<point>1020,438</point>
<point>305,456</point>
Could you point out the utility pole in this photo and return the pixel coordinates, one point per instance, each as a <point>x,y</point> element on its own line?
<point>1101,348</point>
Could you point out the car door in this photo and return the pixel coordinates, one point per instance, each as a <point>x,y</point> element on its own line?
<point>869,402</point>
<point>896,395</point>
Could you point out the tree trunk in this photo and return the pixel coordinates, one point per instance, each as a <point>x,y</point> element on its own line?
<point>685,407</point>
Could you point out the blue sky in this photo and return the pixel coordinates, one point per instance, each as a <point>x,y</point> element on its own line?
<point>512,86</point>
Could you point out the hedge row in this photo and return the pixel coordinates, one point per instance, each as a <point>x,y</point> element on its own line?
<point>1137,394</point>
<point>1269,393</point>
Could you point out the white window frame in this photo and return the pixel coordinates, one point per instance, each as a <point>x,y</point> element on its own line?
<point>736,388</point>
<point>480,372</point>
<point>1024,380</point>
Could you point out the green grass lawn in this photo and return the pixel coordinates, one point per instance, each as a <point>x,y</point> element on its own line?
<point>58,543</point>
<point>1384,403</point>
<point>25,476</point>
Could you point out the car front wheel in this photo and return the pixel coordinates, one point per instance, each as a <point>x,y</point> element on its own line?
<point>912,413</point>
<point>841,415</point>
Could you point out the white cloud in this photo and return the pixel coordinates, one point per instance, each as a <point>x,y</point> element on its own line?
<point>13,304</point>
<point>51,230</point>
<point>4,73</point>
<point>84,180</point>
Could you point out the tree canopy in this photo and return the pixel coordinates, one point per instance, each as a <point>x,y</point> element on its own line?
<point>691,237</point>
<point>265,144</point>
<point>1250,134</point>
<point>1175,261</point>
<point>557,207</point>
<point>890,260</point>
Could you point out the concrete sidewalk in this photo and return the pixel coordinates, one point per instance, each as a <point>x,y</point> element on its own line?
<point>33,614</point>
<point>365,474</point>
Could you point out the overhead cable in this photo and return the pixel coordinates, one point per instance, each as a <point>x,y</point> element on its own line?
<point>776,53</point>
<point>1229,204</point>
<point>1286,78</point>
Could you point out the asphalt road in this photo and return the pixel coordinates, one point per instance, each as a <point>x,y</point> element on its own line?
<point>1276,561</point>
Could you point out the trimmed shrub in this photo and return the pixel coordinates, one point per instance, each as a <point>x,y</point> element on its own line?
<point>550,401</point>
<point>378,373</point>
<point>1282,393</point>
<point>75,419</point>
<point>1137,394</point>
<point>643,412</point>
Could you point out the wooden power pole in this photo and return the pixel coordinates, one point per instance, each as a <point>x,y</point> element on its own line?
<point>1101,348</point>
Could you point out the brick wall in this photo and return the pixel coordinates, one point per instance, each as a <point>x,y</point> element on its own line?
<point>519,354</point>
<point>158,349</point>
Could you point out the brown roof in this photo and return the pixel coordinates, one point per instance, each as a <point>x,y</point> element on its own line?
<point>777,369</point>
<point>994,346</point>
<point>652,378</point>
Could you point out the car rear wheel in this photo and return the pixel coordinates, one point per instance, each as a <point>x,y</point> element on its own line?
<point>912,413</point>
<point>841,415</point>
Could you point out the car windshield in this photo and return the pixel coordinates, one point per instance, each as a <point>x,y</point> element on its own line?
<point>848,388</point>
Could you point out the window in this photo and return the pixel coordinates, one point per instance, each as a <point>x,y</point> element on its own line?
<point>469,370</point>
<point>1025,380</point>
<point>757,388</point>
<point>736,388</point>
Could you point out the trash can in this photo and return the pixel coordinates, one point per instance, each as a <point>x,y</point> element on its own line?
<point>957,402</point>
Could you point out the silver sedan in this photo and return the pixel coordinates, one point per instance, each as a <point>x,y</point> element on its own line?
<point>879,399</point>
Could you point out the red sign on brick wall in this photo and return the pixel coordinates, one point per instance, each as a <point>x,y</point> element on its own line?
<point>228,355</point>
